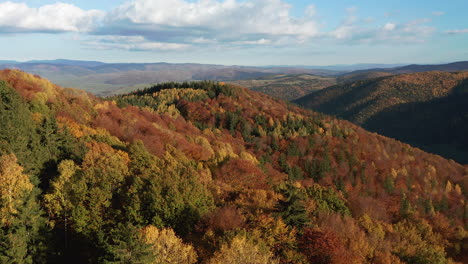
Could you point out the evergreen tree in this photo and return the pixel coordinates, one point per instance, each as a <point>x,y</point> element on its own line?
<point>126,246</point>
<point>22,227</point>
<point>291,208</point>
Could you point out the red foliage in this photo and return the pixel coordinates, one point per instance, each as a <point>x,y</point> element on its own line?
<point>323,247</point>
<point>242,173</point>
<point>223,219</point>
<point>21,83</point>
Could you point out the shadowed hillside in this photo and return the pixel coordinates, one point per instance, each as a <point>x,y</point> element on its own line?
<point>424,109</point>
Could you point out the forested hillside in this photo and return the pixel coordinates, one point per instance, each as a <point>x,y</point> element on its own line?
<point>287,87</point>
<point>206,172</point>
<point>427,110</point>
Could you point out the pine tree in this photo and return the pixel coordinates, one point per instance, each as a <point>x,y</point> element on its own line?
<point>22,227</point>
<point>291,208</point>
<point>126,246</point>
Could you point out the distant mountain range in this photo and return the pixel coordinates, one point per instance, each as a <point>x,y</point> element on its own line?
<point>428,109</point>
<point>106,78</point>
<point>291,87</point>
<point>449,67</point>
<point>345,67</point>
<point>112,78</point>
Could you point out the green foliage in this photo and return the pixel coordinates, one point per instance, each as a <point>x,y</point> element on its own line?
<point>17,129</point>
<point>327,200</point>
<point>126,246</point>
<point>295,173</point>
<point>405,207</point>
<point>164,192</point>
<point>317,169</point>
<point>419,244</point>
<point>292,208</point>
<point>389,184</point>
<point>213,89</point>
<point>22,227</point>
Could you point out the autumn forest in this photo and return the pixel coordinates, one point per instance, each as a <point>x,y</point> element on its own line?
<point>209,172</point>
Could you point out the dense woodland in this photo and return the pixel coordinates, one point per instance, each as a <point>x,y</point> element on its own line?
<point>429,110</point>
<point>206,172</point>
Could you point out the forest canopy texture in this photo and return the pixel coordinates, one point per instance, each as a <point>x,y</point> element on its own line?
<point>206,172</point>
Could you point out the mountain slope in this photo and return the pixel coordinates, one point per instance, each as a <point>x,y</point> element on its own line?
<point>357,76</point>
<point>401,106</point>
<point>224,168</point>
<point>287,87</point>
<point>414,68</point>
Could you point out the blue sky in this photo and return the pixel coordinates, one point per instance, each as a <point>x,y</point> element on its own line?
<point>242,32</point>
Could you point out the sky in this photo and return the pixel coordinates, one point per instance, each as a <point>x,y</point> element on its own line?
<point>236,32</point>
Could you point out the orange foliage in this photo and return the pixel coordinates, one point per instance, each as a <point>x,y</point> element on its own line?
<point>241,174</point>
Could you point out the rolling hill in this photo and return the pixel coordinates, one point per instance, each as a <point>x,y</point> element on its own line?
<point>357,76</point>
<point>413,68</point>
<point>292,87</point>
<point>215,172</point>
<point>425,109</point>
<point>287,87</point>
<point>110,78</point>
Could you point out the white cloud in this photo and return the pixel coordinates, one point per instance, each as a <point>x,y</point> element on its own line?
<point>254,42</point>
<point>352,31</point>
<point>457,31</point>
<point>134,43</point>
<point>389,26</point>
<point>59,17</point>
<point>227,21</point>
<point>183,24</point>
<point>438,13</point>
<point>348,26</point>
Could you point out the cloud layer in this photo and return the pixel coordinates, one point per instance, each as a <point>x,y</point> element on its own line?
<point>231,21</point>
<point>180,24</point>
<point>59,17</point>
<point>457,31</point>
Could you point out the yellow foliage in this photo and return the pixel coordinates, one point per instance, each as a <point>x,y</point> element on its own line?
<point>371,227</point>
<point>76,129</point>
<point>56,201</point>
<point>274,232</point>
<point>271,122</point>
<point>419,239</point>
<point>167,247</point>
<point>222,151</point>
<point>258,199</point>
<point>202,141</point>
<point>40,97</point>
<point>242,251</point>
<point>37,117</point>
<point>112,164</point>
<point>404,172</point>
<point>432,170</point>
<point>13,185</point>
<point>247,156</point>
<point>105,105</point>
<point>448,187</point>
